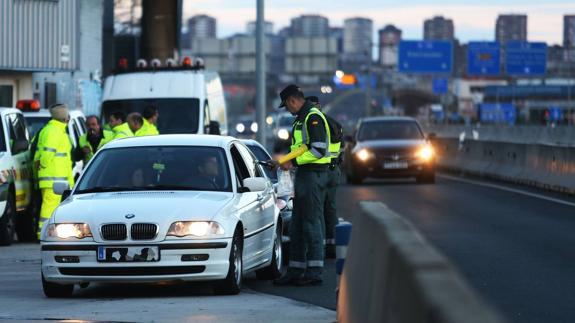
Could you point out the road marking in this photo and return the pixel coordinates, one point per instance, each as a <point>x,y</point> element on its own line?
<point>508,189</point>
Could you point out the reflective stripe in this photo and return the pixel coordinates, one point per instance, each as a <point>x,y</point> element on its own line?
<point>60,154</point>
<point>52,178</point>
<point>341,252</point>
<point>315,263</point>
<point>50,149</point>
<point>321,145</point>
<point>329,241</point>
<point>297,264</point>
<point>335,155</point>
<point>315,153</point>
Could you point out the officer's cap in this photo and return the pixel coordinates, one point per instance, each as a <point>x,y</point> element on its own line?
<point>288,91</point>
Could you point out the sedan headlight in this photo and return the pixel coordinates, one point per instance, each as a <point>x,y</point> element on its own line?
<point>283,134</point>
<point>68,230</point>
<point>240,128</point>
<point>425,153</point>
<point>254,127</point>
<point>195,228</point>
<point>364,155</point>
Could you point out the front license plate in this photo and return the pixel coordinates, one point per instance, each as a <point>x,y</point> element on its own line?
<point>395,165</point>
<point>129,254</point>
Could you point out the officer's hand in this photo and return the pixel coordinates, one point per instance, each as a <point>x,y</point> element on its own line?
<point>271,164</point>
<point>286,166</point>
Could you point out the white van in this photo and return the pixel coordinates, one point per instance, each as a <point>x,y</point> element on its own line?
<point>189,99</point>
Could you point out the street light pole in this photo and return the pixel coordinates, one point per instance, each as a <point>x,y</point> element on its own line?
<point>260,74</point>
<point>369,111</point>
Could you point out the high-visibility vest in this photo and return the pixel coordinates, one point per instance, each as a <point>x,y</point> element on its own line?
<point>122,131</point>
<point>148,129</point>
<point>106,138</point>
<point>53,155</point>
<point>300,136</point>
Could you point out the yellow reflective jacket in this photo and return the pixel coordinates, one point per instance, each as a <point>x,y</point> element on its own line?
<point>53,156</point>
<point>107,137</point>
<point>122,131</point>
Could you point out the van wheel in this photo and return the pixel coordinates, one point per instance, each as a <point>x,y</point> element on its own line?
<point>273,271</point>
<point>7,221</point>
<point>232,284</point>
<point>56,290</point>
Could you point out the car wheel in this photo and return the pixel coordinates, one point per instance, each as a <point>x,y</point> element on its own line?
<point>7,222</point>
<point>56,290</point>
<point>232,284</point>
<point>273,271</point>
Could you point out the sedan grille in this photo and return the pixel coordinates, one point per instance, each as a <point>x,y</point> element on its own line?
<point>115,231</point>
<point>395,154</point>
<point>143,231</point>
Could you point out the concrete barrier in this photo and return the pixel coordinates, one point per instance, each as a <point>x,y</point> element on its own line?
<point>393,275</point>
<point>545,166</point>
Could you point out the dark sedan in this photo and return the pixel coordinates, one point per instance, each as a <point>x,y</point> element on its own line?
<point>383,147</point>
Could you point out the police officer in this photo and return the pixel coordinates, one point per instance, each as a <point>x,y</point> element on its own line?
<point>151,116</point>
<point>119,125</point>
<point>53,160</point>
<point>94,139</point>
<point>309,153</point>
<point>136,123</point>
<point>333,179</point>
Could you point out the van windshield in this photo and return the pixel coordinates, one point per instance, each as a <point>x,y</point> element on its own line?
<point>175,115</point>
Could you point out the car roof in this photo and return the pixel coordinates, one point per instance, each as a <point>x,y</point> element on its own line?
<point>252,142</point>
<point>376,119</point>
<point>46,113</point>
<point>172,140</point>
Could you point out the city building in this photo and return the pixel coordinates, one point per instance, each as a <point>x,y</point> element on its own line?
<point>357,43</point>
<point>51,64</point>
<point>337,33</point>
<point>309,26</point>
<point>569,31</point>
<point>389,38</point>
<point>202,26</point>
<point>251,28</point>
<point>438,28</point>
<point>511,27</point>
<point>311,56</point>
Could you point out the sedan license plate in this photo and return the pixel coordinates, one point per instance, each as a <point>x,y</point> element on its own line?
<point>129,254</point>
<point>395,165</point>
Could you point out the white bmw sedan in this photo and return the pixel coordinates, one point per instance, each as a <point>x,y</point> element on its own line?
<point>164,208</point>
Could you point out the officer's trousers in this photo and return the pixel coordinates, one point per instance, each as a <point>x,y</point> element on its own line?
<point>50,202</point>
<point>330,205</point>
<point>307,225</point>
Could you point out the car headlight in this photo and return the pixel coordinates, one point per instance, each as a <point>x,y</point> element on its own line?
<point>364,155</point>
<point>195,228</point>
<point>68,230</point>
<point>425,153</point>
<point>240,127</point>
<point>254,127</point>
<point>283,134</point>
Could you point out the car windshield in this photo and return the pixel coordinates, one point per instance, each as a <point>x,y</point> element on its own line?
<point>35,124</point>
<point>286,121</point>
<point>262,155</point>
<point>175,115</point>
<point>157,168</point>
<point>389,130</point>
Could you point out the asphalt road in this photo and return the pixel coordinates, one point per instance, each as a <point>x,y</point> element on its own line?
<point>516,249</point>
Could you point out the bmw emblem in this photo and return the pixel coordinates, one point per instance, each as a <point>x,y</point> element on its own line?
<point>395,157</point>
<point>130,216</point>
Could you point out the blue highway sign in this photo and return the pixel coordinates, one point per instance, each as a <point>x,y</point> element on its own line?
<point>425,57</point>
<point>524,58</point>
<point>483,58</point>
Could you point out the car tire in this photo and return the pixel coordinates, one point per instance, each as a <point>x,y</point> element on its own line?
<point>426,178</point>
<point>7,225</point>
<point>273,271</point>
<point>232,284</point>
<point>53,290</point>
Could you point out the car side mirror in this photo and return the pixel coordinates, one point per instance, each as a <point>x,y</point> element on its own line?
<point>19,145</point>
<point>213,128</point>
<point>255,184</point>
<point>60,187</point>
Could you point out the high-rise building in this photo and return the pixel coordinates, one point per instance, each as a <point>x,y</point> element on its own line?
<point>201,27</point>
<point>438,28</point>
<point>511,27</point>
<point>569,31</point>
<point>337,33</point>
<point>285,32</point>
<point>357,36</point>
<point>389,38</point>
<point>251,28</point>
<point>310,26</point>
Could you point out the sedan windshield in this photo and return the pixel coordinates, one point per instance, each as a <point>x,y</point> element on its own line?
<point>390,130</point>
<point>174,115</point>
<point>157,168</point>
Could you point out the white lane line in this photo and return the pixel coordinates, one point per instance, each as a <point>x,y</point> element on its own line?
<point>508,189</point>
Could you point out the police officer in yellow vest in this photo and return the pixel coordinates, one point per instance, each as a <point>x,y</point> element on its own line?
<point>333,179</point>
<point>150,116</point>
<point>136,123</point>
<point>53,160</point>
<point>94,139</point>
<point>309,153</point>
<point>119,125</point>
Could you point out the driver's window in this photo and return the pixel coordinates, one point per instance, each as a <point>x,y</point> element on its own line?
<point>251,161</point>
<point>242,171</point>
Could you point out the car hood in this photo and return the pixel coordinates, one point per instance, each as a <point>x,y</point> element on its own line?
<point>376,144</point>
<point>149,206</point>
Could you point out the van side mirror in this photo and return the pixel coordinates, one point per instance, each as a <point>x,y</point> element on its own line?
<point>213,128</point>
<point>19,145</point>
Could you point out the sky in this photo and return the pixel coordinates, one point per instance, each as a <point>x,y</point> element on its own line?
<point>474,20</point>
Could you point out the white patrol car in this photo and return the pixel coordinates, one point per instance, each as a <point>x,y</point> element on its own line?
<point>164,208</point>
<point>37,118</point>
<point>15,178</point>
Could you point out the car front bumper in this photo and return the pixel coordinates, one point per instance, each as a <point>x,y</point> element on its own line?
<point>376,169</point>
<point>170,267</point>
